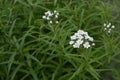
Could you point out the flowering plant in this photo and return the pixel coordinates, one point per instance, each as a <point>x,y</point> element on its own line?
<point>39,45</point>
<point>108,27</point>
<point>51,16</point>
<point>81,38</point>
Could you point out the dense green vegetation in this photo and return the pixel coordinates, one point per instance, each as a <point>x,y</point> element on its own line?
<point>33,49</point>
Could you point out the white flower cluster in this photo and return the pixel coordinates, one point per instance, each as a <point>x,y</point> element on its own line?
<point>108,27</point>
<point>81,38</point>
<point>51,16</point>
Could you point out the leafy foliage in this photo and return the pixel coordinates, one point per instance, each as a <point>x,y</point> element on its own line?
<point>32,49</point>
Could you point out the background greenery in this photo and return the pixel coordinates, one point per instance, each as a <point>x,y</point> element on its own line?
<point>32,49</point>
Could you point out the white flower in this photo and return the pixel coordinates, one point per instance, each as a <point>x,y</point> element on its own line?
<point>87,37</point>
<point>109,24</point>
<point>56,16</point>
<point>104,24</point>
<point>86,45</point>
<point>76,45</point>
<point>73,37</point>
<point>80,32</point>
<point>108,27</point>
<point>48,18</point>
<point>113,26</point>
<point>55,11</point>
<point>57,22</point>
<point>71,42</point>
<point>51,16</point>
<point>76,34</point>
<point>79,42</point>
<point>109,30</point>
<point>85,33</point>
<point>46,13</point>
<point>44,17</point>
<point>91,38</point>
<point>105,29</point>
<point>79,38</point>
<point>93,44</point>
<point>50,22</point>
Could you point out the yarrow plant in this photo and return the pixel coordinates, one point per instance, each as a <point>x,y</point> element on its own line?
<point>51,17</point>
<point>36,45</point>
<point>81,38</point>
<point>108,27</point>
